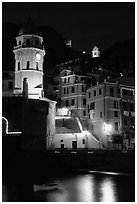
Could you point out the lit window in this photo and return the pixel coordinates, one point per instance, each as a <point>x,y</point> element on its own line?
<point>115,113</point>
<point>100,91</point>
<point>115,104</point>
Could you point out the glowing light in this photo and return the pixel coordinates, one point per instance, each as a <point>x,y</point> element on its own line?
<point>7,128</point>
<point>107,128</point>
<point>108,191</point>
<point>63,111</point>
<point>85,189</point>
<point>84,52</point>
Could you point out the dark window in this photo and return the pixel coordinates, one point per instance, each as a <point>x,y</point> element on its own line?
<point>111,91</point>
<point>37,65</point>
<point>74,144</point>
<point>83,141</point>
<point>61,140</point>
<point>27,64</point>
<point>115,104</point>
<point>116,126</point>
<point>62,146</point>
<point>92,106</point>
<point>72,89</point>
<point>89,94</point>
<point>132,122</point>
<point>36,42</point>
<point>65,80</point>
<point>132,107</point>
<point>73,102</point>
<point>115,113</point>
<point>83,88</point>
<point>100,114</point>
<point>64,91</point>
<point>68,80</point>
<point>28,42</point>
<point>94,93</point>
<point>125,121</point>
<point>10,85</point>
<point>100,91</point>
<point>18,66</point>
<point>19,42</point>
<point>92,127</point>
<point>67,90</point>
<point>84,113</point>
<point>66,102</point>
<point>127,92</point>
<point>125,105</point>
<point>88,108</point>
<point>84,101</point>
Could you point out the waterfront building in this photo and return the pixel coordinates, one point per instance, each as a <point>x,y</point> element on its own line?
<point>106,113</point>
<point>71,134</point>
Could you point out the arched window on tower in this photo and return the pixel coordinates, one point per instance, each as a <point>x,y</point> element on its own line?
<point>37,66</point>
<point>18,66</point>
<point>27,65</point>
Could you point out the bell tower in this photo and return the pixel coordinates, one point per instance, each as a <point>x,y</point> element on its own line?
<point>95,52</point>
<point>29,53</point>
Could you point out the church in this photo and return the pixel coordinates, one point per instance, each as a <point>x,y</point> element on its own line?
<point>25,110</point>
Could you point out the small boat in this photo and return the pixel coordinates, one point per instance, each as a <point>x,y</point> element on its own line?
<point>45,187</point>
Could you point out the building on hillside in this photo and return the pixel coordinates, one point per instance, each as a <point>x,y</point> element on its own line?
<point>106,109</point>
<point>95,52</point>
<point>72,91</point>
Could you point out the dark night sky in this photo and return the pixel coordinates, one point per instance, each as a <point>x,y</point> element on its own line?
<point>86,24</point>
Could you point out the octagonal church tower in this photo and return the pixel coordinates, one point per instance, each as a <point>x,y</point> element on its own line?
<point>29,53</point>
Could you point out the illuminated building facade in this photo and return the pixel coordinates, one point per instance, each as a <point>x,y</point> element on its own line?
<point>29,53</point>
<point>95,52</point>
<point>105,113</point>
<point>72,91</point>
<point>25,109</point>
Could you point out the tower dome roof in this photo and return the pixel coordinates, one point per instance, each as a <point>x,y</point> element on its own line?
<point>28,28</point>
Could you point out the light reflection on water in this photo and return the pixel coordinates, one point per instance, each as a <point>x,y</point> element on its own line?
<point>86,188</point>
